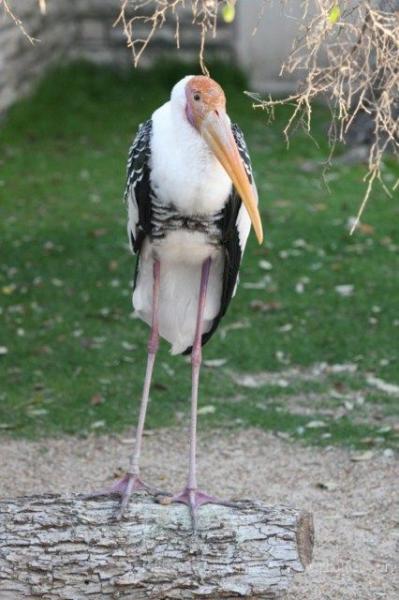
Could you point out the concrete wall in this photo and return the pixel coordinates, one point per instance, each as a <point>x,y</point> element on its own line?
<point>74,29</point>
<point>265,34</point>
<point>21,62</point>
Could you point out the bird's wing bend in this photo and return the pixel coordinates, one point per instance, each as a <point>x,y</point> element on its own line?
<point>138,192</point>
<point>235,226</point>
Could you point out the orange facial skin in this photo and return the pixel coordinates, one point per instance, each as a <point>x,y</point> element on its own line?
<point>203,95</point>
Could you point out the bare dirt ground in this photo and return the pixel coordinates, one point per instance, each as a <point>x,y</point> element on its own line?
<point>355,502</point>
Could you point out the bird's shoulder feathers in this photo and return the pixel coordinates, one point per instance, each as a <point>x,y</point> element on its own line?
<point>138,191</point>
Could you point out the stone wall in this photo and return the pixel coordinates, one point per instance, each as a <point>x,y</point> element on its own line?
<point>74,29</point>
<point>21,62</point>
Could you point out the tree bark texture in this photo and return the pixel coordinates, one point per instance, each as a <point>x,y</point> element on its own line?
<point>71,548</point>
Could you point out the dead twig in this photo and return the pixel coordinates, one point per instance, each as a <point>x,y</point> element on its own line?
<point>11,15</point>
<point>136,16</point>
<point>349,55</point>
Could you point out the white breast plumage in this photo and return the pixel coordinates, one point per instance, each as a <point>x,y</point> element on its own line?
<point>184,172</point>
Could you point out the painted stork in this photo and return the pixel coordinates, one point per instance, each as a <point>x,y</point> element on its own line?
<point>191,200</point>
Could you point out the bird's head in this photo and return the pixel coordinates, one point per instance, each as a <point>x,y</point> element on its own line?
<point>205,110</point>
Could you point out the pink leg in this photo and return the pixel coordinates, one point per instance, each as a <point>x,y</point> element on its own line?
<point>191,495</point>
<point>132,481</point>
<point>153,344</point>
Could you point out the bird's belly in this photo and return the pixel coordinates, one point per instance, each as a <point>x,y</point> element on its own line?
<point>181,254</point>
<point>187,247</point>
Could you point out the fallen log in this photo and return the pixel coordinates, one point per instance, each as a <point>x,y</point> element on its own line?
<point>70,548</point>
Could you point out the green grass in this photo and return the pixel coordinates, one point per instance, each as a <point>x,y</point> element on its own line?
<point>76,357</point>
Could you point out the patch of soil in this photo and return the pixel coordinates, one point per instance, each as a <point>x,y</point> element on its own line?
<point>355,503</point>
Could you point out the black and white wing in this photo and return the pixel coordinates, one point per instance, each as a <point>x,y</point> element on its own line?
<point>235,225</point>
<point>243,150</point>
<point>242,222</point>
<point>138,192</point>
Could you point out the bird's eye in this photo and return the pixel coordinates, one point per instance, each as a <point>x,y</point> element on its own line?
<point>197,96</point>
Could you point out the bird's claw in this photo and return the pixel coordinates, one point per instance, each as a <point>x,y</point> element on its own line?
<point>124,488</point>
<point>194,499</point>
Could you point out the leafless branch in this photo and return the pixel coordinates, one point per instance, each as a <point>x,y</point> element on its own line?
<point>348,53</point>
<point>12,15</point>
<point>150,15</point>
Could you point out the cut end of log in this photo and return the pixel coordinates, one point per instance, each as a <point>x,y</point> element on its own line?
<point>54,547</point>
<point>305,538</point>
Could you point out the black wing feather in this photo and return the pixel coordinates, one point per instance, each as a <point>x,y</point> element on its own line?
<point>242,149</point>
<point>138,187</point>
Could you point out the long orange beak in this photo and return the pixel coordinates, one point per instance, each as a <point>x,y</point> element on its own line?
<point>216,131</point>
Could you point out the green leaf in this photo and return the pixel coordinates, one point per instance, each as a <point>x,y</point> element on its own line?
<point>334,14</point>
<point>228,12</point>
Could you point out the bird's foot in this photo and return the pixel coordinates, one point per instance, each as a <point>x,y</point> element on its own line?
<point>124,488</point>
<point>195,498</point>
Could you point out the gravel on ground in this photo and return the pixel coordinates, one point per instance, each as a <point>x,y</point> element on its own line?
<point>352,495</point>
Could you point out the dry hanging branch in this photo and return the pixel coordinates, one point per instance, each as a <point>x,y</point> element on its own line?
<point>9,12</point>
<point>349,53</point>
<point>152,14</point>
